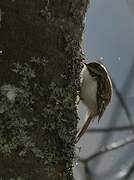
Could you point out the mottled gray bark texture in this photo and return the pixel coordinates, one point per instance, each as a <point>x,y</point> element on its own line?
<point>40,57</point>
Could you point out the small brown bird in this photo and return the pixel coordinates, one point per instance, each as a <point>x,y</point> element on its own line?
<point>95,92</point>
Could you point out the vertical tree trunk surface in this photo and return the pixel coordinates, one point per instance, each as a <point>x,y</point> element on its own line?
<point>40,59</point>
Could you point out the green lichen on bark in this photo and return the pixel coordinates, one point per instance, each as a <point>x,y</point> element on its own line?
<point>39,123</point>
<point>57,120</point>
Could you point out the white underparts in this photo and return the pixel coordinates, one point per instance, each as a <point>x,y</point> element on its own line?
<point>88,90</point>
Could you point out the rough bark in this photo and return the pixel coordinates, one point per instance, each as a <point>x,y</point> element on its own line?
<point>40,57</point>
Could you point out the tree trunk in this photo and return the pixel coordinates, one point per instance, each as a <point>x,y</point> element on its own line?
<point>40,59</point>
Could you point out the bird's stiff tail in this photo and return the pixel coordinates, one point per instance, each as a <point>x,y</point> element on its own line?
<point>84,128</point>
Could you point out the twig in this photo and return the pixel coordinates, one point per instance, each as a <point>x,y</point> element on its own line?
<point>127,171</point>
<point>111,129</point>
<point>88,174</point>
<point>111,147</point>
<point>123,103</point>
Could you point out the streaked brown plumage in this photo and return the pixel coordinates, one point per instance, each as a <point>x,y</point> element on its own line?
<point>95,93</point>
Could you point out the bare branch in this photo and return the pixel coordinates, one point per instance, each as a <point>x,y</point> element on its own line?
<point>126,171</point>
<point>123,103</point>
<point>111,129</point>
<point>111,147</point>
<point>88,174</point>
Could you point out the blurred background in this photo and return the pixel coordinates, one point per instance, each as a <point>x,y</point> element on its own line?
<point>109,36</point>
